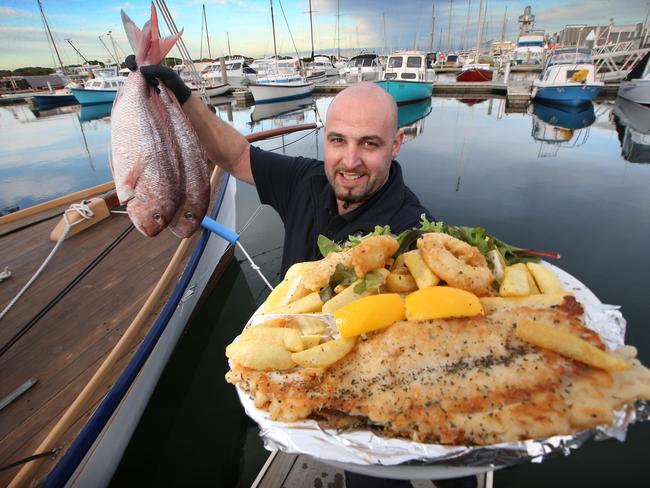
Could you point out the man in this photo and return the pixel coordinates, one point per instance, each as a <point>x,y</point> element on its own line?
<point>358,185</point>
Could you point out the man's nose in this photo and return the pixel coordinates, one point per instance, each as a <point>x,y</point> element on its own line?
<point>351,157</point>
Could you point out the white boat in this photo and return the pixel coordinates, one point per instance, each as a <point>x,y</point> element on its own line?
<point>323,63</point>
<point>364,67</point>
<point>636,85</point>
<point>568,78</point>
<point>278,89</point>
<point>212,86</point>
<point>238,73</point>
<point>530,48</point>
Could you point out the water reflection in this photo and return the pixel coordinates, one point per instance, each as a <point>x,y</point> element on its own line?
<point>632,122</point>
<point>556,126</point>
<point>93,112</point>
<point>411,118</point>
<point>290,110</point>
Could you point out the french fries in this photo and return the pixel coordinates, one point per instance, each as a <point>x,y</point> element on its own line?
<point>325,354</point>
<point>569,345</point>
<point>401,280</point>
<point>545,279</point>
<point>423,276</point>
<point>266,348</point>
<point>289,290</point>
<point>515,283</point>
<point>496,304</point>
<point>307,304</point>
<point>531,282</point>
<point>349,295</point>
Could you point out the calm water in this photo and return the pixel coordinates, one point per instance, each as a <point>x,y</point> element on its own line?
<point>576,183</point>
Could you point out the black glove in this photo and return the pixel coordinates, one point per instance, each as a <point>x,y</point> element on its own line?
<point>168,76</point>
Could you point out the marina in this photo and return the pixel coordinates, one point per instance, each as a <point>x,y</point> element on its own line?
<point>112,343</point>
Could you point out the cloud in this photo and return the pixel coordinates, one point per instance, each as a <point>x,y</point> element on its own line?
<point>16,13</point>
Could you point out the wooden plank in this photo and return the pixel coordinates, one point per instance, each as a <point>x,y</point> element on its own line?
<point>64,200</point>
<point>278,470</point>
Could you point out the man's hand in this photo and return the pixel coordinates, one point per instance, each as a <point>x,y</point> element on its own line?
<point>168,76</point>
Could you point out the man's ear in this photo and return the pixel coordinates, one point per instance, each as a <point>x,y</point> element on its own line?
<point>397,143</point>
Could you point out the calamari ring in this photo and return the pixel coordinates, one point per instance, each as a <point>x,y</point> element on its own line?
<point>457,263</point>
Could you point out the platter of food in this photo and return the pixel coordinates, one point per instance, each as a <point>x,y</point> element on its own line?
<point>426,356</point>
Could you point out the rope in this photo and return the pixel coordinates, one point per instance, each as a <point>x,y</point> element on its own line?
<point>254,266</point>
<point>75,281</point>
<point>29,458</point>
<point>82,209</point>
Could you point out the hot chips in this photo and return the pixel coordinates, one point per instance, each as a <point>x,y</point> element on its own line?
<point>424,277</point>
<point>325,354</point>
<point>569,345</point>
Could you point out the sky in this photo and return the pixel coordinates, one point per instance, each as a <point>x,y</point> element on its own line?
<point>248,25</point>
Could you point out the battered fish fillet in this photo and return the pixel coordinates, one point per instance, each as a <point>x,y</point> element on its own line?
<point>456,381</point>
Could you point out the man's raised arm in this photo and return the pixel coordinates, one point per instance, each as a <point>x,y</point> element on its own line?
<point>224,145</point>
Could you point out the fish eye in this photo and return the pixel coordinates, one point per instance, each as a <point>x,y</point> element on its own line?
<point>189,215</point>
<point>156,216</point>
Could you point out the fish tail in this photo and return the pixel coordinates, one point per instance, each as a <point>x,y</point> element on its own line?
<point>149,48</point>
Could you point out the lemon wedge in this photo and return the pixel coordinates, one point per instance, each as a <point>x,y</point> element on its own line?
<point>441,302</point>
<point>369,313</point>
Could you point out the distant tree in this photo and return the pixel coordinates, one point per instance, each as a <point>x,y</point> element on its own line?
<point>33,71</point>
<point>5,72</point>
<point>172,61</point>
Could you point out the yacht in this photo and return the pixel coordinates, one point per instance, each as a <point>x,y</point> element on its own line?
<point>238,72</point>
<point>102,88</point>
<point>636,85</point>
<point>409,76</point>
<point>569,78</point>
<point>364,67</point>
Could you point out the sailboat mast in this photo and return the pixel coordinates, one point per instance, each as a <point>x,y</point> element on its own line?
<point>503,29</point>
<point>207,34</point>
<point>78,52</point>
<point>383,17</point>
<point>451,9</point>
<point>338,29</point>
<point>49,33</point>
<point>311,30</point>
<point>433,25</point>
<point>275,49</point>
<point>479,32</point>
<point>469,8</point>
<point>228,38</point>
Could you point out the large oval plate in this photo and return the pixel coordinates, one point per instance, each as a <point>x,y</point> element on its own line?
<point>364,452</point>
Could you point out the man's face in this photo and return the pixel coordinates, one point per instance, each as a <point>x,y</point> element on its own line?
<point>360,142</point>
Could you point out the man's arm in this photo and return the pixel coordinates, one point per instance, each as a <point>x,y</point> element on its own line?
<point>225,146</point>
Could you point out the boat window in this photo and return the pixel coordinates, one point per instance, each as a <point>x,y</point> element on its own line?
<point>570,57</point>
<point>97,84</point>
<point>236,66</point>
<point>530,44</point>
<point>368,62</point>
<point>395,62</point>
<point>114,84</point>
<point>414,62</point>
<point>408,76</point>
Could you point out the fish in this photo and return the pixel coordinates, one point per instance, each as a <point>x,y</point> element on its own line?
<point>145,151</point>
<point>194,170</point>
<point>461,381</point>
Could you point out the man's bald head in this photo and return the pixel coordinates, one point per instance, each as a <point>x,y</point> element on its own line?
<point>361,140</point>
<point>366,96</point>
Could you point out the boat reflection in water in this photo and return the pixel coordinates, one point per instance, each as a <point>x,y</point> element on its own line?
<point>92,112</point>
<point>556,126</point>
<point>632,122</point>
<point>288,110</point>
<point>471,101</point>
<point>411,117</point>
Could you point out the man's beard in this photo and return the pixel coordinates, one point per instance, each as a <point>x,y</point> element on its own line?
<point>347,196</point>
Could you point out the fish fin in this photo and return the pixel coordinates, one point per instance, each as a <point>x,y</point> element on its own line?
<point>158,48</point>
<point>138,39</point>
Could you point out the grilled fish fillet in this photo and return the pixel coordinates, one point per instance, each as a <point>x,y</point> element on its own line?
<point>457,381</point>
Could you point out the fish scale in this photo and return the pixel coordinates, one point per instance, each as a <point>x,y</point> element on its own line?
<point>194,170</point>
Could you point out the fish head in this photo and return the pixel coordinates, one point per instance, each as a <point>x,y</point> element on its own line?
<point>150,214</point>
<point>187,221</point>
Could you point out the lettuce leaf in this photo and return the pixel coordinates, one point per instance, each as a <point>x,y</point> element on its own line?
<point>326,246</point>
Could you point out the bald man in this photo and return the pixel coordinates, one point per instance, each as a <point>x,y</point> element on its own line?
<point>357,186</point>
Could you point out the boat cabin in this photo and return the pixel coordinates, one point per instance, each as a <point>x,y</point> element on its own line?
<point>410,66</point>
<point>569,65</point>
<point>105,83</point>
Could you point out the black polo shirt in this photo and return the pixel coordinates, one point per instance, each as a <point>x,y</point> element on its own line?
<point>298,190</point>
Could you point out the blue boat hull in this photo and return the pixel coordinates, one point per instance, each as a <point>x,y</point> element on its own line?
<point>407,91</point>
<point>569,94</point>
<point>43,102</point>
<point>93,97</point>
<point>96,111</point>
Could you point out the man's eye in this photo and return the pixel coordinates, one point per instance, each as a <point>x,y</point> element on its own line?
<point>336,140</point>
<point>370,144</point>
